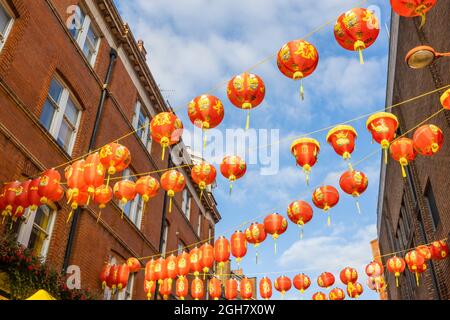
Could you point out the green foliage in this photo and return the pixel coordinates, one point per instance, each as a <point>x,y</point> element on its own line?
<point>27,274</point>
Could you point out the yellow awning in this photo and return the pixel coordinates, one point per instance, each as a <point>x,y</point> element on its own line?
<point>41,295</point>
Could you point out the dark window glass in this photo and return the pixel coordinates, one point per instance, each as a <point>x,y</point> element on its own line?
<point>430,202</point>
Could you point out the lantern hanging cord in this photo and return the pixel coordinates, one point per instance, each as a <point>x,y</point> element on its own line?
<point>363,116</point>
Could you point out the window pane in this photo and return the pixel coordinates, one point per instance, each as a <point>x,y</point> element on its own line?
<point>38,236</point>
<point>72,112</point>
<point>90,45</point>
<point>55,90</point>
<point>65,135</point>
<point>47,114</point>
<point>77,23</point>
<point>4,20</point>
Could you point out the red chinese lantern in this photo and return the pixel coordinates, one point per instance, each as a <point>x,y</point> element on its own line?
<point>165,289</point>
<point>160,269</point>
<point>300,213</point>
<point>115,158</point>
<point>94,173</point>
<point>231,288</point>
<point>424,251</point>
<point>396,266</point>
<point>105,274</point>
<point>122,277</point>
<point>302,282</point>
<point>445,100</point>
<point>255,234</point>
<point>102,196</point>
<point>124,191</point>
<point>356,30</point>
<point>172,181</point>
<point>355,290</point>
<point>348,275</point>
<point>222,251</point>
<point>21,201</point>
<point>319,296</point>
<point>3,205</point>
<point>215,288</point>
<point>415,262</point>
<point>306,152</point>
<point>428,140</point>
<point>238,244</point>
<point>203,174</point>
<point>297,60</point>
<point>265,288</point>
<point>49,185</point>
<point>172,268</point>
<point>113,278</point>
<point>439,250</point>
<point>134,265</point>
<point>10,196</point>
<point>376,283</point>
<point>246,289</point>
<point>34,199</point>
<point>383,126</point>
<point>150,278</point>
<point>374,269</point>
<point>402,150</point>
<point>233,168</point>
<point>283,284</point>
<point>197,289</point>
<point>182,287</point>
<point>206,112</point>
<point>413,8</point>
<point>325,198</point>
<point>147,187</point>
<point>149,288</point>
<point>183,264</point>
<point>207,258</point>
<point>354,183</point>
<point>74,175</point>
<point>275,225</point>
<point>342,139</point>
<point>325,280</point>
<point>166,129</point>
<point>195,260</point>
<point>337,294</point>
<point>246,91</point>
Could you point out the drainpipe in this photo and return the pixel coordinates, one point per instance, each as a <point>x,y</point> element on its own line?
<point>73,227</point>
<point>163,225</point>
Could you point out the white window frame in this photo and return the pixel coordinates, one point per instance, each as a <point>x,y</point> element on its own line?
<point>165,236</point>
<point>135,214</point>
<point>7,31</point>
<point>146,139</point>
<point>186,204</point>
<point>82,37</point>
<point>60,110</point>
<point>210,234</point>
<point>27,226</point>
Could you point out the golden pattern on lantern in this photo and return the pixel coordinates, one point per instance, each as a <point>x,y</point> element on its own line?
<point>203,174</point>
<point>306,152</point>
<point>197,289</point>
<point>283,284</point>
<point>319,296</point>
<point>439,250</point>
<point>231,288</point>
<point>195,261</point>
<point>124,191</point>
<point>355,290</point>
<point>255,234</point>
<point>215,288</point>
<point>275,225</point>
<point>354,183</point>
<point>246,91</point>
<point>297,60</point>
<point>325,280</point>
<point>325,198</point>
<point>337,294</point>
<point>300,213</point>
<point>302,282</point>
<point>382,126</point>
<point>181,287</point>
<point>246,289</point>
<point>416,263</point>
<point>356,30</point>
<point>238,244</point>
<point>265,288</point>
<point>445,100</point>
<point>342,139</point>
<point>233,168</point>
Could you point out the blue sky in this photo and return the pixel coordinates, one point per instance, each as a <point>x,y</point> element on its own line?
<point>192,46</point>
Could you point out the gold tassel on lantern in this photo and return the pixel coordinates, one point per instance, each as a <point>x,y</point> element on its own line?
<point>360,46</point>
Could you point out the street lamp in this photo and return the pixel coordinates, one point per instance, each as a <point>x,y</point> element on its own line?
<point>422,56</point>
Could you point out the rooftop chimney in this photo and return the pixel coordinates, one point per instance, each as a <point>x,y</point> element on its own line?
<point>142,50</point>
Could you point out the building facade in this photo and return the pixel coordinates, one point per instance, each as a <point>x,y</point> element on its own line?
<point>61,61</point>
<point>416,210</point>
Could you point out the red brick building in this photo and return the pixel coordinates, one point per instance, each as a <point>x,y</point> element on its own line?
<point>59,59</point>
<point>416,210</point>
